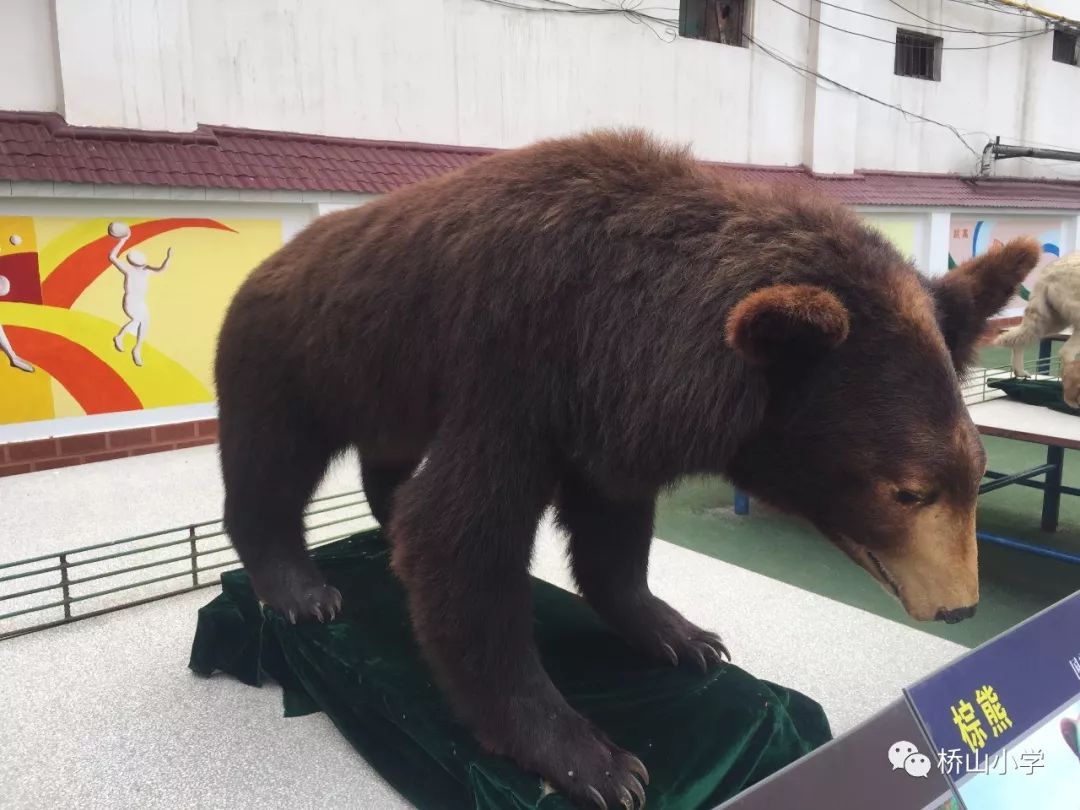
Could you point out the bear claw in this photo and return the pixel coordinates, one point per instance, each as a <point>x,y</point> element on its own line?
<point>701,662</point>
<point>574,757</point>
<point>711,650</point>
<point>653,626</point>
<point>639,792</point>
<point>297,595</point>
<point>637,767</point>
<point>597,799</point>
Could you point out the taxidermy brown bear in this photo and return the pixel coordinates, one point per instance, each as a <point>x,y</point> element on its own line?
<point>581,323</point>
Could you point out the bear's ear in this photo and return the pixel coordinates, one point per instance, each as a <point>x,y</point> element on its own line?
<point>786,321</point>
<point>971,293</point>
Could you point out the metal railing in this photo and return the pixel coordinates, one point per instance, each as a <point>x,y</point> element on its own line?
<point>976,386</point>
<point>54,589</point>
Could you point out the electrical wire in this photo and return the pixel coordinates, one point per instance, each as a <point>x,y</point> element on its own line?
<point>1018,141</point>
<point>664,29</point>
<point>1013,141</point>
<point>893,42</point>
<point>634,11</point>
<point>941,26</point>
<point>808,72</point>
<point>1059,164</point>
<point>1056,20</point>
<point>985,6</point>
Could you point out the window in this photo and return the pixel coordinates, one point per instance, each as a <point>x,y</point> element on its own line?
<point>1066,47</point>
<point>917,55</point>
<point>722,21</point>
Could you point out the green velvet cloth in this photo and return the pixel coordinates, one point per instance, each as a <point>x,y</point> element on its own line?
<point>1035,392</point>
<point>704,738</point>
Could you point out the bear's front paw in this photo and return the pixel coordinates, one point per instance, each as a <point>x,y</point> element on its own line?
<point>605,777</point>
<point>298,595</point>
<point>576,759</point>
<point>652,625</point>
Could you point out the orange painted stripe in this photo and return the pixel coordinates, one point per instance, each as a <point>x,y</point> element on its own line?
<point>73,275</point>
<point>90,381</point>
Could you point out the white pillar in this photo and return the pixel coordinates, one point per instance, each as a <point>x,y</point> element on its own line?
<point>937,243</point>
<point>355,201</point>
<point>1070,232</point>
<point>331,207</point>
<point>830,118</point>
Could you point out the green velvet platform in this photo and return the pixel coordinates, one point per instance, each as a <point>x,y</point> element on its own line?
<point>703,738</point>
<point>1047,393</point>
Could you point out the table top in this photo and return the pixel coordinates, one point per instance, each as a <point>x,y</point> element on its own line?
<point>1010,419</point>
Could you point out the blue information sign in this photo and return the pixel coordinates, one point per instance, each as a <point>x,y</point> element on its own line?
<point>997,729</point>
<point>1003,720</point>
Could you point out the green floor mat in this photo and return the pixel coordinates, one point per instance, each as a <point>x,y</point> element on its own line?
<point>704,738</point>
<point>1035,392</point>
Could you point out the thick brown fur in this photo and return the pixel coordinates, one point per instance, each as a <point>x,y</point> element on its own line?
<point>766,322</point>
<point>562,324</point>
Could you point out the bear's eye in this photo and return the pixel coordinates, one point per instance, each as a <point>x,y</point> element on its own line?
<point>909,497</point>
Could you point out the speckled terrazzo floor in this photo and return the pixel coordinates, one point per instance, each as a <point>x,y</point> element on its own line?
<point>104,713</point>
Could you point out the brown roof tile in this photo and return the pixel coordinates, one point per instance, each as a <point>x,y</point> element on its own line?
<point>42,147</point>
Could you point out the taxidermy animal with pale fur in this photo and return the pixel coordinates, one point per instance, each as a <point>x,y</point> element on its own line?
<point>1054,305</point>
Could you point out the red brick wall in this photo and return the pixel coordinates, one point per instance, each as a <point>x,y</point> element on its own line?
<point>65,451</point>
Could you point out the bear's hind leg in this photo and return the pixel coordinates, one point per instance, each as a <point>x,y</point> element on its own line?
<point>462,535</point>
<point>609,553</point>
<point>380,480</point>
<point>270,471</point>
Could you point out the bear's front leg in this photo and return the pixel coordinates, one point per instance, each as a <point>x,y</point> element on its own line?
<point>462,531</point>
<point>609,551</point>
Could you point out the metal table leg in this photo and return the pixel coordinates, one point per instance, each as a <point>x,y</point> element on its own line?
<point>1055,459</point>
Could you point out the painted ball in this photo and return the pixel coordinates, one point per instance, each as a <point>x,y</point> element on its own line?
<point>15,239</point>
<point>118,230</point>
<point>5,286</point>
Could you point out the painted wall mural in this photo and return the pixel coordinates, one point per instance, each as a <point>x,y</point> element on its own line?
<point>898,230</point>
<point>107,315</point>
<point>973,237</point>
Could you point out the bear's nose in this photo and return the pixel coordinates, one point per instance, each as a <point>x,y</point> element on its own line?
<point>955,615</point>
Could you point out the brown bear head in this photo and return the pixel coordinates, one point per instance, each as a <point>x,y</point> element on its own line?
<point>865,431</point>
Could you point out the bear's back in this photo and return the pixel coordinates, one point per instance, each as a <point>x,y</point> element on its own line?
<point>585,268</point>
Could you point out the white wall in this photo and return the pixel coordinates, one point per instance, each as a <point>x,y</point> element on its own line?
<point>1014,90</point>
<point>444,71</point>
<point>473,73</point>
<point>28,76</point>
<point>127,63</point>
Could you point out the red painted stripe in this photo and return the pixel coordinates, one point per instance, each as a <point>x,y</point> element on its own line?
<point>78,271</point>
<point>89,379</point>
